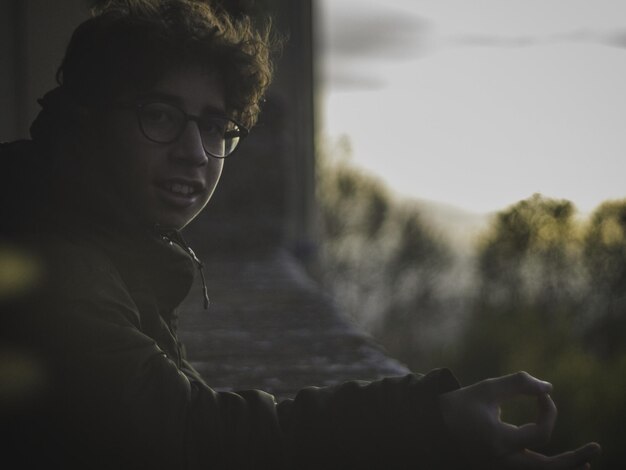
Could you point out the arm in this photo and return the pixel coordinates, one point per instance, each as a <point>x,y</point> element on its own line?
<point>120,397</point>
<point>391,423</point>
<point>166,415</point>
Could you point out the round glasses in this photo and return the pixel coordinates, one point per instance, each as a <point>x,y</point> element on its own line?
<point>164,123</point>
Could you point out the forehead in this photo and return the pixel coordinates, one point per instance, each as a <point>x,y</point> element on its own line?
<point>194,88</point>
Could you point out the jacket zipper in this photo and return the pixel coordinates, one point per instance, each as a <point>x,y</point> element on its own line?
<point>176,237</point>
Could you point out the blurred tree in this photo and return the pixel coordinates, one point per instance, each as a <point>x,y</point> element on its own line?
<point>531,287</point>
<point>381,261</point>
<point>605,258</point>
<point>415,311</point>
<point>531,257</point>
<point>354,209</point>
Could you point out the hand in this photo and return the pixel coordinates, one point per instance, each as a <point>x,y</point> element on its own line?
<point>472,415</point>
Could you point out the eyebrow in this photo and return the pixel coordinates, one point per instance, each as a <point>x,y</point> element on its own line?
<point>176,100</point>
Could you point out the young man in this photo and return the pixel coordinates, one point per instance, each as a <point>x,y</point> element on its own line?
<point>127,150</point>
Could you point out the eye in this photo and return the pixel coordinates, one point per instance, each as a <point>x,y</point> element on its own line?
<point>158,114</point>
<point>214,126</point>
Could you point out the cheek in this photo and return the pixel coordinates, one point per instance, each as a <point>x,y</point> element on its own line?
<point>131,160</point>
<point>214,172</point>
<point>117,150</point>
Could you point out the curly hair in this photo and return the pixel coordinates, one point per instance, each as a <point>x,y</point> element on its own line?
<point>129,44</point>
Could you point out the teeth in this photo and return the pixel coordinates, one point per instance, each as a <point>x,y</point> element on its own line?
<point>180,188</point>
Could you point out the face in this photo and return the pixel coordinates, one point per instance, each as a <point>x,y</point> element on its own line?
<point>166,184</point>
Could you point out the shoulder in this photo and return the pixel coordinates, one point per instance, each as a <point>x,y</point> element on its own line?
<point>15,148</point>
<point>76,261</point>
<point>75,303</point>
<point>20,158</point>
<point>78,277</point>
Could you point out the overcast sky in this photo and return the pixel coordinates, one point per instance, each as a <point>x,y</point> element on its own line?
<point>480,103</point>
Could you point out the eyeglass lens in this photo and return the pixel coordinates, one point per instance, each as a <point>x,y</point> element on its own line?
<point>164,123</point>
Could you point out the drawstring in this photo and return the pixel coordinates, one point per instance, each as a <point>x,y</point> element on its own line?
<point>176,237</point>
<point>200,264</point>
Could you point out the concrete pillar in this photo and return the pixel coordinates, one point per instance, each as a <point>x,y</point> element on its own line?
<point>34,36</point>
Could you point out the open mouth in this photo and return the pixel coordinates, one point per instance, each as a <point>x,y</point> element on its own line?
<point>182,189</point>
<point>180,193</point>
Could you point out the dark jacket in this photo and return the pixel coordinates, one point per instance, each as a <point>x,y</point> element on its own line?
<point>107,385</point>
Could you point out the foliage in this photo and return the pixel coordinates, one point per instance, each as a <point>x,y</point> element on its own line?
<point>605,259</point>
<point>531,254</point>
<point>381,262</point>
<point>550,297</point>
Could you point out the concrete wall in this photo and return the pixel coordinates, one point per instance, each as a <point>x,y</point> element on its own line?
<point>34,35</point>
<point>8,68</point>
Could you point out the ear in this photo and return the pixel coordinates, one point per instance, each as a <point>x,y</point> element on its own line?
<point>89,123</point>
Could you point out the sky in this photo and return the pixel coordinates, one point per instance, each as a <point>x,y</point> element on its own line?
<point>479,103</point>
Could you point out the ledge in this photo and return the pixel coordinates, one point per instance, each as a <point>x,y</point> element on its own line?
<point>271,327</point>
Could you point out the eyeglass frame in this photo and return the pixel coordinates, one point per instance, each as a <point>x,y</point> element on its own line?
<point>187,117</point>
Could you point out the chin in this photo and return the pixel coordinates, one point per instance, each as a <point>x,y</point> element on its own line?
<point>169,218</point>
<point>176,221</point>
<point>169,222</point>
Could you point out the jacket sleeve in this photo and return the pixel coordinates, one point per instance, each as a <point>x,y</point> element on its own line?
<point>391,423</point>
<point>122,399</point>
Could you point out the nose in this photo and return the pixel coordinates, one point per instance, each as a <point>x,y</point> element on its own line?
<point>188,148</point>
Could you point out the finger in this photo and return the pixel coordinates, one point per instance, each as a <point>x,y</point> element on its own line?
<point>520,383</point>
<point>546,418</point>
<point>531,435</point>
<point>575,459</point>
